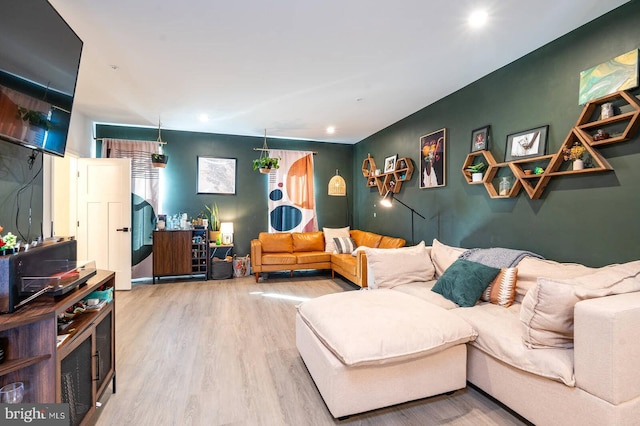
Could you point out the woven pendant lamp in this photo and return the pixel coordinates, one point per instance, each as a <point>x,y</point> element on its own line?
<point>337,186</point>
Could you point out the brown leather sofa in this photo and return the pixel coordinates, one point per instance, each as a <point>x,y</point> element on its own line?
<point>305,250</point>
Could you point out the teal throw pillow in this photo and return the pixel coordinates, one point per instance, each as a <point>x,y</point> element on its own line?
<point>464,281</point>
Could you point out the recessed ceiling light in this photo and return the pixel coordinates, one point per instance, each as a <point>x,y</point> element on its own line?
<point>331,130</point>
<point>478,18</point>
<point>203,118</point>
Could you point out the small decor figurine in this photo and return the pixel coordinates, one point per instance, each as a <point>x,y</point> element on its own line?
<point>606,111</point>
<point>600,135</point>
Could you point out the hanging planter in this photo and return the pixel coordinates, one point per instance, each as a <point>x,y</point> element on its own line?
<point>159,159</point>
<point>265,163</point>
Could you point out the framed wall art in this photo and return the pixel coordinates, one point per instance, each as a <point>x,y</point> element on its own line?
<point>390,163</point>
<point>432,159</point>
<point>525,144</point>
<point>619,73</point>
<point>216,175</point>
<point>480,139</point>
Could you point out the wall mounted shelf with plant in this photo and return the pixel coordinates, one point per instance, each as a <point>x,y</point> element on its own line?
<point>590,132</point>
<point>390,181</point>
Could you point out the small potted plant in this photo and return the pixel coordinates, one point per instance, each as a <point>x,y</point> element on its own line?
<point>214,222</point>
<point>579,155</point>
<point>265,164</point>
<point>159,160</point>
<point>475,170</point>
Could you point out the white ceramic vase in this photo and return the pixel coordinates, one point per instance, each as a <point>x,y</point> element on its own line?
<point>578,164</point>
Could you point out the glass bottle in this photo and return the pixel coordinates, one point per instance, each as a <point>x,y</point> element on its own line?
<point>505,186</point>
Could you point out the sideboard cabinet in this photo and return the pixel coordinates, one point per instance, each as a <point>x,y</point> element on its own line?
<point>180,252</point>
<point>76,371</point>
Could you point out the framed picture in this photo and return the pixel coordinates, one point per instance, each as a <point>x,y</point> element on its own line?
<point>480,139</point>
<point>216,175</point>
<point>390,163</point>
<point>432,159</point>
<point>529,143</point>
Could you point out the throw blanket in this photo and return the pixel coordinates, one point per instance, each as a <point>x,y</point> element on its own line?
<point>497,257</point>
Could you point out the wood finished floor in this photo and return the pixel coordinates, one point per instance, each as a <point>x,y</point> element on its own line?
<point>220,353</point>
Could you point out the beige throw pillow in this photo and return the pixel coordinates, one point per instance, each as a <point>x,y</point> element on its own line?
<point>330,234</point>
<point>395,266</point>
<point>547,309</point>
<point>443,256</point>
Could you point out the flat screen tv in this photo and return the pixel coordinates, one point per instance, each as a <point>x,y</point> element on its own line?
<point>39,61</point>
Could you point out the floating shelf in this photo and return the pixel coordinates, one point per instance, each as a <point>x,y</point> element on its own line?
<point>618,128</point>
<point>390,181</point>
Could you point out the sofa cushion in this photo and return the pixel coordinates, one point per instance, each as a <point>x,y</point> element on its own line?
<point>276,243</point>
<point>391,242</point>
<point>364,238</point>
<point>395,266</point>
<point>502,290</point>
<point>392,326</point>
<point>346,262</point>
<point>531,268</point>
<point>279,259</point>
<point>422,290</point>
<point>307,241</point>
<point>499,335</point>
<point>547,309</point>
<point>312,257</point>
<point>344,245</point>
<point>330,234</point>
<point>464,281</point>
<point>443,256</point>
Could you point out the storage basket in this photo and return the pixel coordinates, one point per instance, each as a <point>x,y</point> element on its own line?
<point>221,269</point>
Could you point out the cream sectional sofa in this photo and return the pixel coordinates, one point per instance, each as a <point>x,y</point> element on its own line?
<point>564,352</point>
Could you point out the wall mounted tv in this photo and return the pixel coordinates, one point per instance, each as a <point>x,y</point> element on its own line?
<point>39,61</point>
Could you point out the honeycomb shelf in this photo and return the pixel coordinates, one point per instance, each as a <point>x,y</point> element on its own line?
<point>390,181</point>
<point>618,128</point>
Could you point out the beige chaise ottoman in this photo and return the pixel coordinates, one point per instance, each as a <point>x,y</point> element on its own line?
<point>372,349</point>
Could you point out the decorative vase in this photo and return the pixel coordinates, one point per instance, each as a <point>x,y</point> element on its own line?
<point>476,177</point>
<point>504,187</point>
<point>606,111</point>
<point>578,164</point>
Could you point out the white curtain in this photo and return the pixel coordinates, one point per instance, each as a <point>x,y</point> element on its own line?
<point>144,198</point>
<point>292,206</point>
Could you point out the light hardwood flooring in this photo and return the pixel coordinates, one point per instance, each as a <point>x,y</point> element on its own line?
<point>222,353</point>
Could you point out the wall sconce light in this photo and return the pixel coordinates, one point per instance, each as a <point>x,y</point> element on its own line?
<point>226,232</point>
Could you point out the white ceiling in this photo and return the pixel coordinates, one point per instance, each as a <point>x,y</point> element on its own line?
<point>294,67</point>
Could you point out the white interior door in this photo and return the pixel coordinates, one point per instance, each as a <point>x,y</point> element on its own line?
<point>104,215</point>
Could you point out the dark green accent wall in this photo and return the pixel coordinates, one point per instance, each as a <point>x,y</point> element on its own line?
<point>20,192</point>
<point>248,208</point>
<point>592,219</point>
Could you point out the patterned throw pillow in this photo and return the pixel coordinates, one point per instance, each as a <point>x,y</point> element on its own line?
<point>502,290</point>
<point>344,245</point>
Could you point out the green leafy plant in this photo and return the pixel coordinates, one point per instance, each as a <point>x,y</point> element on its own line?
<point>266,163</point>
<point>213,216</point>
<point>476,168</point>
<point>35,118</point>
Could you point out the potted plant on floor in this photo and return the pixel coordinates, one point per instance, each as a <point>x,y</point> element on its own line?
<point>214,222</point>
